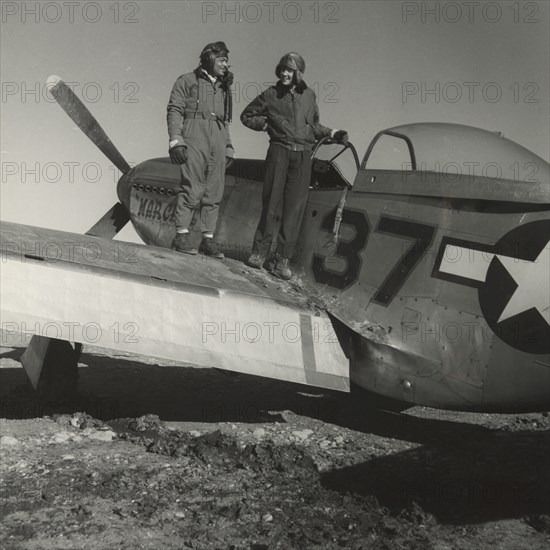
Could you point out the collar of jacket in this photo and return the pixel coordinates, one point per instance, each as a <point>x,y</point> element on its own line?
<point>224,83</point>
<point>201,73</point>
<point>282,90</point>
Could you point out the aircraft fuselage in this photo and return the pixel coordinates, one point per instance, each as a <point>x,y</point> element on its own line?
<point>415,275</point>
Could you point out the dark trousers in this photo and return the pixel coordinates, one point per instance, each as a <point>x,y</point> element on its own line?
<point>284,199</point>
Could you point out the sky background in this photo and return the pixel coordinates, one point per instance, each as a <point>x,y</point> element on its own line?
<point>373,65</point>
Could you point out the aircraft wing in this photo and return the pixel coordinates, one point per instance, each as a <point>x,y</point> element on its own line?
<point>155,302</point>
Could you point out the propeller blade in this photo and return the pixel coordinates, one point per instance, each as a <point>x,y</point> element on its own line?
<point>80,115</point>
<point>111,222</point>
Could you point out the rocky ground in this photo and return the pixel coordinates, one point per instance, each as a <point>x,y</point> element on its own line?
<point>150,456</point>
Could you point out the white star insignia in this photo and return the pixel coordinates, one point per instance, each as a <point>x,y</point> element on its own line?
<point>533,280</point>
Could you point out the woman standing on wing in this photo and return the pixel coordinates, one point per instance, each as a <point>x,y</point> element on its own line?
<point>288,112</point>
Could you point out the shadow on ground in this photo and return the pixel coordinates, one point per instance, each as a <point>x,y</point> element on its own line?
<point>476,479</point>
<point>118,386</point>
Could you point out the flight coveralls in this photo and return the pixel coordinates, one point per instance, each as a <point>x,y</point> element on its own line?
<point>292,119</point>
<point>195,117</point>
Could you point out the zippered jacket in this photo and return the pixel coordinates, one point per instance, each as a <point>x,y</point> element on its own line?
<point>291,115</point>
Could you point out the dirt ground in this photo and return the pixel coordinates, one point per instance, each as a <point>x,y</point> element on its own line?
<point>159,456</point>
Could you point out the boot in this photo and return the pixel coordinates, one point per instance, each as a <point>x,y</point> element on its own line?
<point>209,248</point>
<point>281,268</point>
<point>181,243</point>
<point>256,260</point>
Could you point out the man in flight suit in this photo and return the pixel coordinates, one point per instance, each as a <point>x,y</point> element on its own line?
<point>288,112</point>
<point>198,115</point>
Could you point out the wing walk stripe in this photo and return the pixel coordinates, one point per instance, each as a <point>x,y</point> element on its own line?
<point>308,346</point>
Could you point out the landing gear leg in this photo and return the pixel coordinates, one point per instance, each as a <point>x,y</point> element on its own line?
<point>52,367</point>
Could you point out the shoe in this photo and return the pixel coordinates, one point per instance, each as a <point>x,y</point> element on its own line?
<point>209,248</point>
<point>181,243</point>
<point>256,260</point>
<point>281,268</point>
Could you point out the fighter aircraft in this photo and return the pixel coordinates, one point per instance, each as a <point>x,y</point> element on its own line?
<point>421,274</point>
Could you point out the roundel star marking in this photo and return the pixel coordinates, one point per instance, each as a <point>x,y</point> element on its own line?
<point>533,282</point>
<point>515,296</point>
